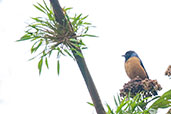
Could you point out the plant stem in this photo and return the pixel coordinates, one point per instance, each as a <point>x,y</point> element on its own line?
<point>90,83</point>
<point>59,15</point>
<point>60,18</point>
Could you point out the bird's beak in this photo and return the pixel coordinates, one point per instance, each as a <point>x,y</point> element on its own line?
<point>123,55</point>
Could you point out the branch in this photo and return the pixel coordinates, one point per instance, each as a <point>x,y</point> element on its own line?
<point>60,18</point>
<point>59,15</point>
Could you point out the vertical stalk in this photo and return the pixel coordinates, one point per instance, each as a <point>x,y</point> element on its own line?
<point>89,83</point>
<point>60,18</point>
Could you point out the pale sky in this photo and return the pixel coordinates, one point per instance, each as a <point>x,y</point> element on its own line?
<point>122,25</point>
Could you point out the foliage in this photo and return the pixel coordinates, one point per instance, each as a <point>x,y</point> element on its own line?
<point>164,101</point>
<point>130,105</point>
<point>138,105</point>
<point>49,36</point>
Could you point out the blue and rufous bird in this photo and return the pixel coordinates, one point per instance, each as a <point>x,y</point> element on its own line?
<point>134,66</point>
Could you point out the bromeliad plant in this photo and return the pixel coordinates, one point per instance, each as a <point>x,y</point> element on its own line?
<point>49,36</point>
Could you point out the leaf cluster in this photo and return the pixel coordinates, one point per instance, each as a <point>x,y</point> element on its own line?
<point>130,105</point>
<point>164,101</point>
<point>138,104</point>
<point>49,36</point>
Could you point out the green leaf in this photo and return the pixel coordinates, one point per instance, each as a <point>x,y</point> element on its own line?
<point>46,61</point>
<point>32,58</point>
<point>39,8</point>
<point>84,48</point>
<point>68,53</point>
<point>35,38</point>
<point>86,29</point>
<point>84,17</point>
<point>67,17</point>
<point>58,67</point>
<point>78,17</point>
<point>77,52</point>
<point>73,40</point>
<point>80,54</point>
<point>40,43</point>
<point>119,99</point>
<point>25,37</point>
<point>86,23</point>
<point>43,8</point>
<point>38,19</point>
<point>89,35</point>
<point>46,6</point>
<point>122,104</point>
<point>60,51</point>
<point>76,44</point>
<point>50,52</point>
<point>116,103</point>
<point>40,65</point>
<point>134,104</point>
<point>90,103</point>
<point>81,42</point>
<point>110,111</point>
<point>66,9</point>
<point>163,102</point>
<point>34,49</point>
<point>75,20</point>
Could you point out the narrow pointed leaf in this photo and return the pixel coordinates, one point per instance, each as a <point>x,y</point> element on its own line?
<point>58,67</point>
<point>34,49</point>
<point>32,58</point>
<point>84,17</point>
<point>43,8</point>
<point>46,6</point>
<point>46,62</point>
<point>110,111</point>
<point>40,65</point>
<point>68,53</point>
<point>86,23</point>
<point>66,9</point>
<point>25,37</point>
<point>80,54</point>
<point>116,103</point>
<point>89,35</point>
<point>163,102</point>
<point>90,103</point>
<point>39,8</point>
<point>84,48</point>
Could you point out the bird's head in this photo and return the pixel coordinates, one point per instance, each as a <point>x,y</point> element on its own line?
<point>130,54</point>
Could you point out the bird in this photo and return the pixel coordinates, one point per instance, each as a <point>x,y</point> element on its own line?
<point>134,66</point>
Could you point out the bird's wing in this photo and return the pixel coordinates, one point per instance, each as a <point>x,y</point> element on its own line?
<point>143,67</point>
